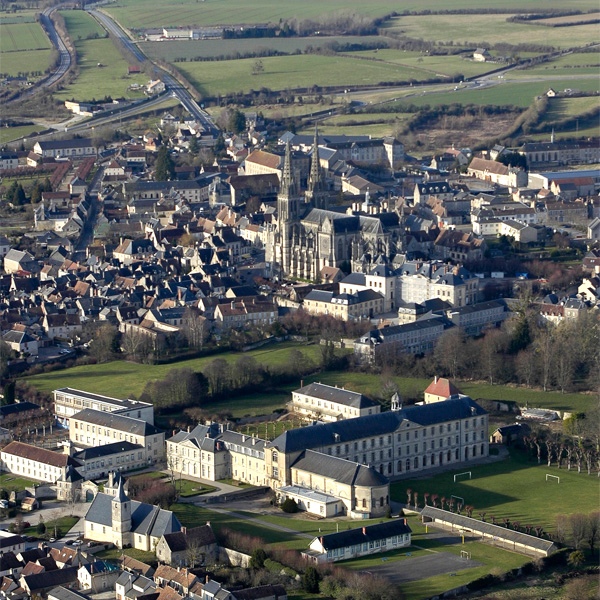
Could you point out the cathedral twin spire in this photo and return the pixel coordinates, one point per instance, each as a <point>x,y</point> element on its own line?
<point>315,183</point>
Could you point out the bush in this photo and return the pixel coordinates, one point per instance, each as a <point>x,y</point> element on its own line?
<point>289,506</point>
<point>257,559</point>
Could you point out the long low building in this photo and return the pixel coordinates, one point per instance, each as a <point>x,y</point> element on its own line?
<point>69,401</point>
<point>362,541</point>
<point>35,463</point>
<point>92,428</point>
<point>501,536</point>
<point>98,461</point>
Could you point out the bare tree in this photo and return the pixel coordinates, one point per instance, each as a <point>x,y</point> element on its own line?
<point>564,361</point>
<point>545,348</point>
<point>193,554</point>
<point>194,327</point>
<point>449,351</point>
<point>526,363</point>
<point>578,525</point>
<point>135,344</point>
<point>561,529</point>
<point>593,529</point>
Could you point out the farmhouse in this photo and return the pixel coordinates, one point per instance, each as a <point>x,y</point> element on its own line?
<point>481,55</point>
<point>500,536</point>
<point>362,541</point>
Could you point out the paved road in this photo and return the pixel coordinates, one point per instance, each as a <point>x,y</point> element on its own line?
<point>170,82</point>
<point>57,42</point>
<point>87,233</point>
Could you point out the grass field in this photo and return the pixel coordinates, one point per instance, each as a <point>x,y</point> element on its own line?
<point>63,524</point>
<point>22,36</point>
<point>25,61</point>
<point>506,93</point>
<point>562,108</point>
<point>96,82</point>
<point>8,134</point>
<point>151,13</point>
<point>514,488</point>
<point>489,29</point>
<point>12,483</point>
<point>121,378</point>
<point>115,554</point>
<point>585,63</point>
<point>570,19</point>
<point>215,48</point>
<point>297,71</point>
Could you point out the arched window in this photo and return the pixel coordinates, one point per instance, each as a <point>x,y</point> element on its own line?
<point>416,462</point>
<point>408,464</point>
<point>399,466</point>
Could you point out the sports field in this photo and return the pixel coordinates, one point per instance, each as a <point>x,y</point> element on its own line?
<point>151,13</point>
<point>515,488</point>
<point>489,29</point>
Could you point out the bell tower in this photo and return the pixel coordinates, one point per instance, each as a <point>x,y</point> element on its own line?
<point>317,193</point>
<point>121,518</point>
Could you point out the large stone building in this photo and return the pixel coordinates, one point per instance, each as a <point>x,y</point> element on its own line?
<point>309,235</point>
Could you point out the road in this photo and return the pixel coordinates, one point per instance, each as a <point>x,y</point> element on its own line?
<point>87,233</point>
<point>170,82</point>
<point>57,42</point>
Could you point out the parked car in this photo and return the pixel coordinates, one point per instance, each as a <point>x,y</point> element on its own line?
<point>77,543</point>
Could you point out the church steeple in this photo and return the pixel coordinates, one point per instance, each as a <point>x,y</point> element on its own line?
<point>317,191</point>
<point>287,179</point>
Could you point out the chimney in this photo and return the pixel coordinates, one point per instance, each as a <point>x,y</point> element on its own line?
<point>321,540</point>
<point>364,530</point>
<point>243,438</point>
<point>435,379</point>
<point>208,523</point>
<point>405,522</point>
<point>207,579</point>
<point>184,529</point>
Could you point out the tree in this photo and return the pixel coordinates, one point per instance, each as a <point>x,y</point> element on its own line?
<point>257,559</point>
<point>490,355</point>
<point>289,505</point>
<point>236,122</point>
<point>576,559</point>
<point>258,67</point>
<point>219,146</point>
<point>449,352</point>
<point>41,526</point>
<point>545,347</point>
<point>578,524</point>
<point>19,198</point>
<point>9,393</point>
<point>563,371</point>
<point>593,529</point>
<point>194,328</point>
<point>521,337</point>
<point>193,146</point>
<point>218,376</point>
<point>165,168</point>
<point>19,524</point>
<point>310,580</point>
<point>192,551</point>
<point>327,354</point>
<point>526,363</point>
<point>136,345</point>
<point>104,343</point>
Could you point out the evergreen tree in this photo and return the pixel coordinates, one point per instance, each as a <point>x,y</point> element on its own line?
<point>194,146</point>
<point>165,168</point>
<point>310,580</point>
<point>219,147</point>
<point>237,122</point>
<point>19,198</point>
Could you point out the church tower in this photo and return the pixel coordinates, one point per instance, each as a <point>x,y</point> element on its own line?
<point>121,518</point>
<point>317,193</point>
<point>288,211</point>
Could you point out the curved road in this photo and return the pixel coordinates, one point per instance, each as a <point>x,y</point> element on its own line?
<point>57,42</point>
<point>170,82</point>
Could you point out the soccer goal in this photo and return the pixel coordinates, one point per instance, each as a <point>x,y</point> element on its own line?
<point>553,477</point>
<point>461,474</point>
<point>458,498</point>
<point>466,555</point>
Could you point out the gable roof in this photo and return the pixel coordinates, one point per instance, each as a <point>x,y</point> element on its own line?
<point>441,386</point>
<point>335,394</point>
<point>201,536</point>
<point>118,422</point>
<point>40,455</point>
<point>361,535</point>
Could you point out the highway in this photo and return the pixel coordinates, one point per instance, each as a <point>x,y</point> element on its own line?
<point>170,82</point>
<point>57,42</point>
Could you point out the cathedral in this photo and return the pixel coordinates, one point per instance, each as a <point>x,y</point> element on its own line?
<point>308,234</point>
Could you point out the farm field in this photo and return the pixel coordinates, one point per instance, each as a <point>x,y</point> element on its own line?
<point>96,82</point>
<point>506,93</point>
<point>122,378</point>
<point>169,51</point>
<point>570,19</point>
<point>515,488</point>
<point>132,13</point>
<point>8,134</point>
<point>489,29</point>
<point>24,61</point>
<point>21,16</point>
<point>281,72</point>
<point>22,36</point>
<point>562,108</point>
<point>584,63</point>
<point>438,65</point>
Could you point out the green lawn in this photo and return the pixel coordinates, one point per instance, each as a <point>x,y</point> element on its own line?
<point>96,82</point>
<point>64,525</point>
<point>13,483</point>
<point>24,61</point>
<point>8,134</point>
<point>489,29</point>
<point>22,36</point>
<point>192,488</point>
<point>514,488</point>
<point>563,108</point>
<point>151,13</point>
<point>115,554</point>
<point>121,378</point>
<point>235,483</point>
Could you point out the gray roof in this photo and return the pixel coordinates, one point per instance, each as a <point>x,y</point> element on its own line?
<point>127,403</point>
<point>317,436</point>
<point>118,422</point>
<point>360,535</point>
<point>145,518</point>
<point>108,449</point>
<point>61,593</point>
<point>336,394</point>
<point>341,470</point>
<point>62,144</point>
<point>495,530</point>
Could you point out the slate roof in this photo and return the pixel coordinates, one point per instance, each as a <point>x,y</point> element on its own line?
<point>361,535</point>
<point>178,540</point>
<point>341,470</point>
<point>118,422</point>
<point>145,518</point>
<point>61,593</point>
<point>49,579</point>
<point>11,409</point>
<point>316,436</point>
<point>101,451</point>
<point>336,394</point>
<point>260,592</point>
<point>63,144</point>
<point>488,528</point>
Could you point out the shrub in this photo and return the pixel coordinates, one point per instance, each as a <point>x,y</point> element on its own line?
<point>310,580</point>
<point>289,506</point>
<point>257,559</point>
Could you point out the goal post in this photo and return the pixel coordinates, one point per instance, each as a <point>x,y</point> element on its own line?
<point>462,500</point>
<point>548,475</point>
<point>461,474</point>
